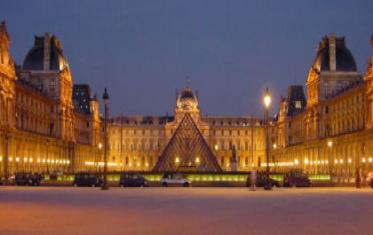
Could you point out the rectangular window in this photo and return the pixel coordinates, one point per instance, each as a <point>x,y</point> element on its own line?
<point>298,104</point>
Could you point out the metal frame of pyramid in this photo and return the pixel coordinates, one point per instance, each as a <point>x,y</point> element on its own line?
<point>187,150</point>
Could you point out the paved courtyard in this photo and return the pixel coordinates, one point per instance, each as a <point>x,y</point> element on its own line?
<point>185,211</point>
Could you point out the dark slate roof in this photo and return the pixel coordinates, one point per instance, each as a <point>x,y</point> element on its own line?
<point>143,120</point>
<point>186,93</point>
<point>344,58</point>
<point>295,94</point>
<point>34,59</point>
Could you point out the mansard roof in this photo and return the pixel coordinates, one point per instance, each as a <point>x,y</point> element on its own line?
<point>296,100</point>
<point>34,59</point>
<point>344,58</point>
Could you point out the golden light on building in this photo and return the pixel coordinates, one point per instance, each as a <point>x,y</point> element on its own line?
<point>331,135</point>
<point>330,143</point>
<point>327,132</point>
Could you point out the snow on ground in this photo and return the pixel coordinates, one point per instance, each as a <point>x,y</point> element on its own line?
<point>185,211</point>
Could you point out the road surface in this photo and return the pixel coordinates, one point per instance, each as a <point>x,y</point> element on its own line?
<point>185,211</point>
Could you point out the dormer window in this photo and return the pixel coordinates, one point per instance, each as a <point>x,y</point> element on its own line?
<point>298,104</point>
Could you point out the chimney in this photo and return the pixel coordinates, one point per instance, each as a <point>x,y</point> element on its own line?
<point>332,53</point>
<point>47,51</point>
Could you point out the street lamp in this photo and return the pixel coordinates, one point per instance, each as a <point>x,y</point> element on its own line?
<point>47,145</point>
<point>97,159</point>
<point>7,159</point>
<point>267,102</point>
<point>105,97</point>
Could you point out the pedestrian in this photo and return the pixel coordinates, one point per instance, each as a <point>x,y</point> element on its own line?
<point>253,180</point>
<point>358,178</point>
<point>362,177</point>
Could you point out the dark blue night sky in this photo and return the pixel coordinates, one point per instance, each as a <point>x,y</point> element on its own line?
<point>143,50</point>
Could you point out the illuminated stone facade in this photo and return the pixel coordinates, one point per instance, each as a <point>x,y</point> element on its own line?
<point>331,132</point>
<point>137,142</point>
<point>40,130</point>
<point>49,125</point>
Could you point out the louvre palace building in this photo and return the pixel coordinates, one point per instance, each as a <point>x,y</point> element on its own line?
<point>330,132</point>
<point>47,123</point>
<point>50,124</point>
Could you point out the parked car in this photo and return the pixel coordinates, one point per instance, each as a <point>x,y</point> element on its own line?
<point>87,179</point>
<point>261,181</point>
<point>132,180</point>
<point>174,179</point>
<point>370,179</point>
<point>296,179</point>
<point>27,179</point>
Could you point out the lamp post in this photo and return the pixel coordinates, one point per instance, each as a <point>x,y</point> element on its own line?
<point>97,159</point>
<point>6,157</point>
<point>47,157</point>
<point>105,97</point>
<point>267,102</point>
<point>330,145</point>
